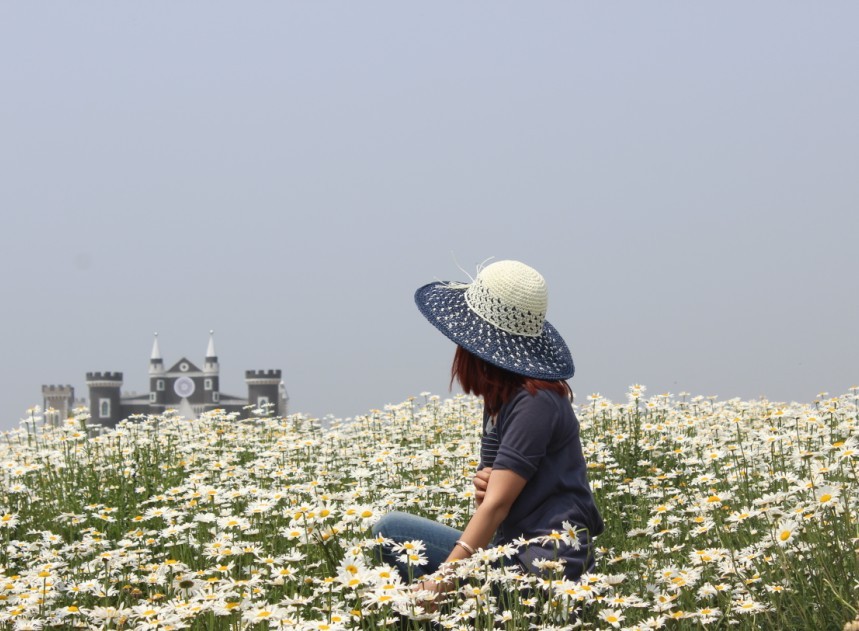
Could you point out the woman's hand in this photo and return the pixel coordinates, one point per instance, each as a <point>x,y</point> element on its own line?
<point>481,481</point>
<point>437,588</point>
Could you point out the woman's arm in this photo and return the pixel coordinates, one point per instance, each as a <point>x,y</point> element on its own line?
<point>502,490</point>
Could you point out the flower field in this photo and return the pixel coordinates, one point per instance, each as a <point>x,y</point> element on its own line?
<point>719,514</point>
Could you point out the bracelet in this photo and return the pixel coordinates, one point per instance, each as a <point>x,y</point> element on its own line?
<point>465,546</point>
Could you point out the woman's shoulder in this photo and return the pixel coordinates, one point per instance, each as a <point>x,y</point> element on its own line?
<point>541,396</point>
<point>542,402</point>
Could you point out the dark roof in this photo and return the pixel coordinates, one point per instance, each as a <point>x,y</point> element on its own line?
<point>191,366</point>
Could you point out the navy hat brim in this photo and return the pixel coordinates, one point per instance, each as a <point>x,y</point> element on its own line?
<point>541,357</point>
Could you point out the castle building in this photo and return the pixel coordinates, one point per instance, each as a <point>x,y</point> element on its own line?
<point>184,387</point>
<point>59,402</point>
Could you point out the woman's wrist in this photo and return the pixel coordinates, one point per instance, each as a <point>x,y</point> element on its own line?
<point>465,546</point>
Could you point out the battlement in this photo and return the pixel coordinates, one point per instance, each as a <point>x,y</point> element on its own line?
<point>104,376</point>
<point>263,374</point>
<point>54,389</point>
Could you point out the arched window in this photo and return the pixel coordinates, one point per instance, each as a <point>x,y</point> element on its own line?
<point>104,408</point>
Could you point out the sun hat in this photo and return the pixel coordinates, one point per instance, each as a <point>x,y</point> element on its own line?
<point>501,317</point>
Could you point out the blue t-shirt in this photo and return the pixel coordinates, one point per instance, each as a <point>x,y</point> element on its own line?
<point>537,437</point>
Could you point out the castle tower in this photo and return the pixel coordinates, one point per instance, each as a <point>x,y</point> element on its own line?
<point>264,388</point>
<point>58,403</point>
<point>104,406</point>
<point>156,363</point>
<point>156,379</point>
<point>211,370</point>
<point>283,406</point>
<point>211,364</point>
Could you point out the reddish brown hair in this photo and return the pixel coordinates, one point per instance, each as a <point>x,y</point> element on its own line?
<point>495,384</point>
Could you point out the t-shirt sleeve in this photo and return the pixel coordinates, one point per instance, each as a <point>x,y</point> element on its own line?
<point>526,433</point>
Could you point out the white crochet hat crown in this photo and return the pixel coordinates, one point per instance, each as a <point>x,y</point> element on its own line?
<point>510,295</point>
<point>500,317</point>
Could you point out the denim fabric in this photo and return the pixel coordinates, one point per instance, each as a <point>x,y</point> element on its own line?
<point>439,540</point>
<point>401,527</point>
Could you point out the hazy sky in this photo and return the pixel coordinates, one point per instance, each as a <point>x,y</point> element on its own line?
<point>685,176</point>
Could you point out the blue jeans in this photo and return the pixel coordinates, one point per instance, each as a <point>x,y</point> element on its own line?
<point>439,540</point>
<point>400,527</point>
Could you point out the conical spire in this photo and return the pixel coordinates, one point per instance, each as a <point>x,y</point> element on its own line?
<point>156,364</point>
<point>210,367</point>
<point>210,351</point>
<point>156,352</point>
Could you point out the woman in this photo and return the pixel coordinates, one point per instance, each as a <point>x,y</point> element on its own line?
<point>533,477</point>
